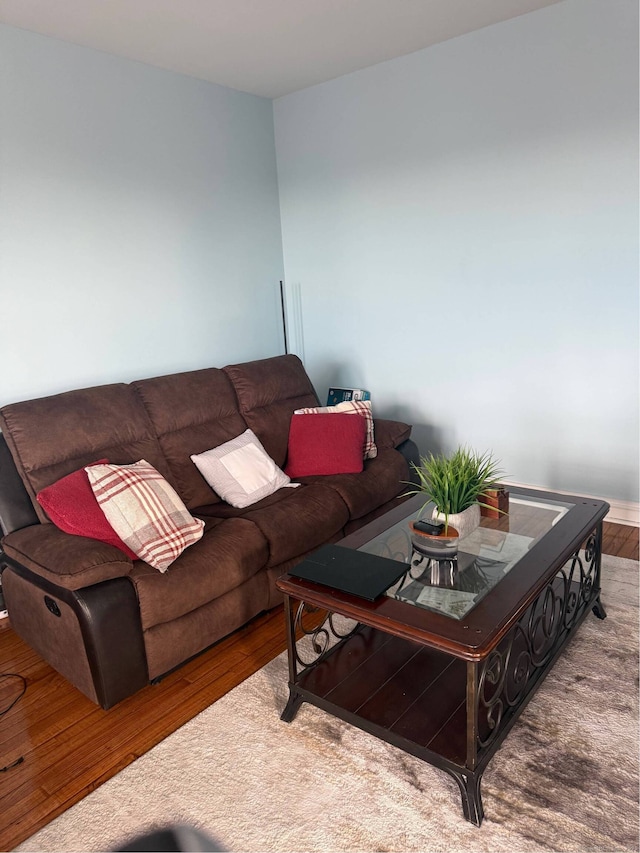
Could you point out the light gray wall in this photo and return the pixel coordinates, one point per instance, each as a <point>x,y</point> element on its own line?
<point>139,220</point>
<point>460,232</point>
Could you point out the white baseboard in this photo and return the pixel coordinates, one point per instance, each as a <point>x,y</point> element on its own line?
<point>621,512</point>
<point>624,512</point>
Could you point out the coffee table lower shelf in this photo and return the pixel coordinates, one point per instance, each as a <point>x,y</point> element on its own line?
<point>416,698</point>
<point>408,695</point>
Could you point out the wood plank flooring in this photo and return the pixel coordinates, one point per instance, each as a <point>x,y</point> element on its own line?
<point>70,746</point>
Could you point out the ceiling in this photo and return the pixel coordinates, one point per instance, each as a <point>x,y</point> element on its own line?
<point>266,47</point>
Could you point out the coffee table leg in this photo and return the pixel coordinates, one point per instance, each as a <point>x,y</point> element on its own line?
<point>295,699</point>
<point>291,708</point>
<point>598,609</point>
<point>469,784</point>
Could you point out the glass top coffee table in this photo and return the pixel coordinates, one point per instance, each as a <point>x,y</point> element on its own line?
<point>454,587</point>
<point>442,663</point>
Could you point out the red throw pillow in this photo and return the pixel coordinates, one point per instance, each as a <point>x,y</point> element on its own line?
<point>72,506</point>
<point>326,443</point>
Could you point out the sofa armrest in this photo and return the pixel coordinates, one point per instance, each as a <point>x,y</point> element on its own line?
<point>92,636</point>
<point>409,449</point>
<point>396,435</point>
<point>16,509</point>
<point>390,434</point>
<point>68,561</point>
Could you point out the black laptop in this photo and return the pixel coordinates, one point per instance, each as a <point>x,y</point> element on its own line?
<point>355,572</point>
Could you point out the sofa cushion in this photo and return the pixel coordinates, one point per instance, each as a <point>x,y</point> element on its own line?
<point>268,392</point>
<point>191,412</point>
<point>325,443</point>
<point>352,407</point>
<point>72,506</point>
<point>53,436</point>
<point>170,643</point>
<point>240,470</point>
<point>293,521</point>
<point>230,552</point>
<point>69,561</point>
<point>382,479</point>
<point>145,511</point>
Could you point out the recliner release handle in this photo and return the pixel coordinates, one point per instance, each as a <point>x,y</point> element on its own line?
<point>52,606</point>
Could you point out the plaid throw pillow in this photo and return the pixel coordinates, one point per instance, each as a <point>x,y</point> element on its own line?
<point>352,407</point>
<point>145,511</point>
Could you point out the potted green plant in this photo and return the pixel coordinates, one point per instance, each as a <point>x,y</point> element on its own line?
<point>456,484</point>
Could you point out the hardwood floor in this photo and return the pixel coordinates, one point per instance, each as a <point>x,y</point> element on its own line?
<point>70,746</point>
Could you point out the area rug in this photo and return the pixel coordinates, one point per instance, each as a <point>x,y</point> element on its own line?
<point>566,777</point>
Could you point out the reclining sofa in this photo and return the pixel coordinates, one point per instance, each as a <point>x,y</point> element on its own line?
<point>110,624</point>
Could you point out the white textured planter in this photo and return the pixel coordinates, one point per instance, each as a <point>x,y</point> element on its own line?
<point>464,522</point>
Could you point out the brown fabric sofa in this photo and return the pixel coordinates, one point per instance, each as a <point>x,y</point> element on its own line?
<point>110,625</point>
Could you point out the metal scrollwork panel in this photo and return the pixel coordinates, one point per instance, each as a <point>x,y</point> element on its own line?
<point>512,668</point>
<point>317,639</point>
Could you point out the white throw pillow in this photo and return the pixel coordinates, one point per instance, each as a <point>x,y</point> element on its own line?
<point>241,471</point>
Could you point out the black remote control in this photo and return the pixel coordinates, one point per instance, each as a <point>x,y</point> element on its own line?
<point>435,528</point>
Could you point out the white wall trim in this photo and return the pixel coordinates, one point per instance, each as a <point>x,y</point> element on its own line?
<point>294,319</point>
<point>621,512</point>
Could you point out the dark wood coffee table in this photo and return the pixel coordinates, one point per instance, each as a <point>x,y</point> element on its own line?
<point>443,671</point>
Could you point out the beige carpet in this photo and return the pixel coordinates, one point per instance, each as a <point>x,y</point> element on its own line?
<point>566,777</point>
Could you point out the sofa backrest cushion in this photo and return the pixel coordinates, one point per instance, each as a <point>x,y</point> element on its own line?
<point>191,412</point>
<point>52,436</point>
<point>268,393</point>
